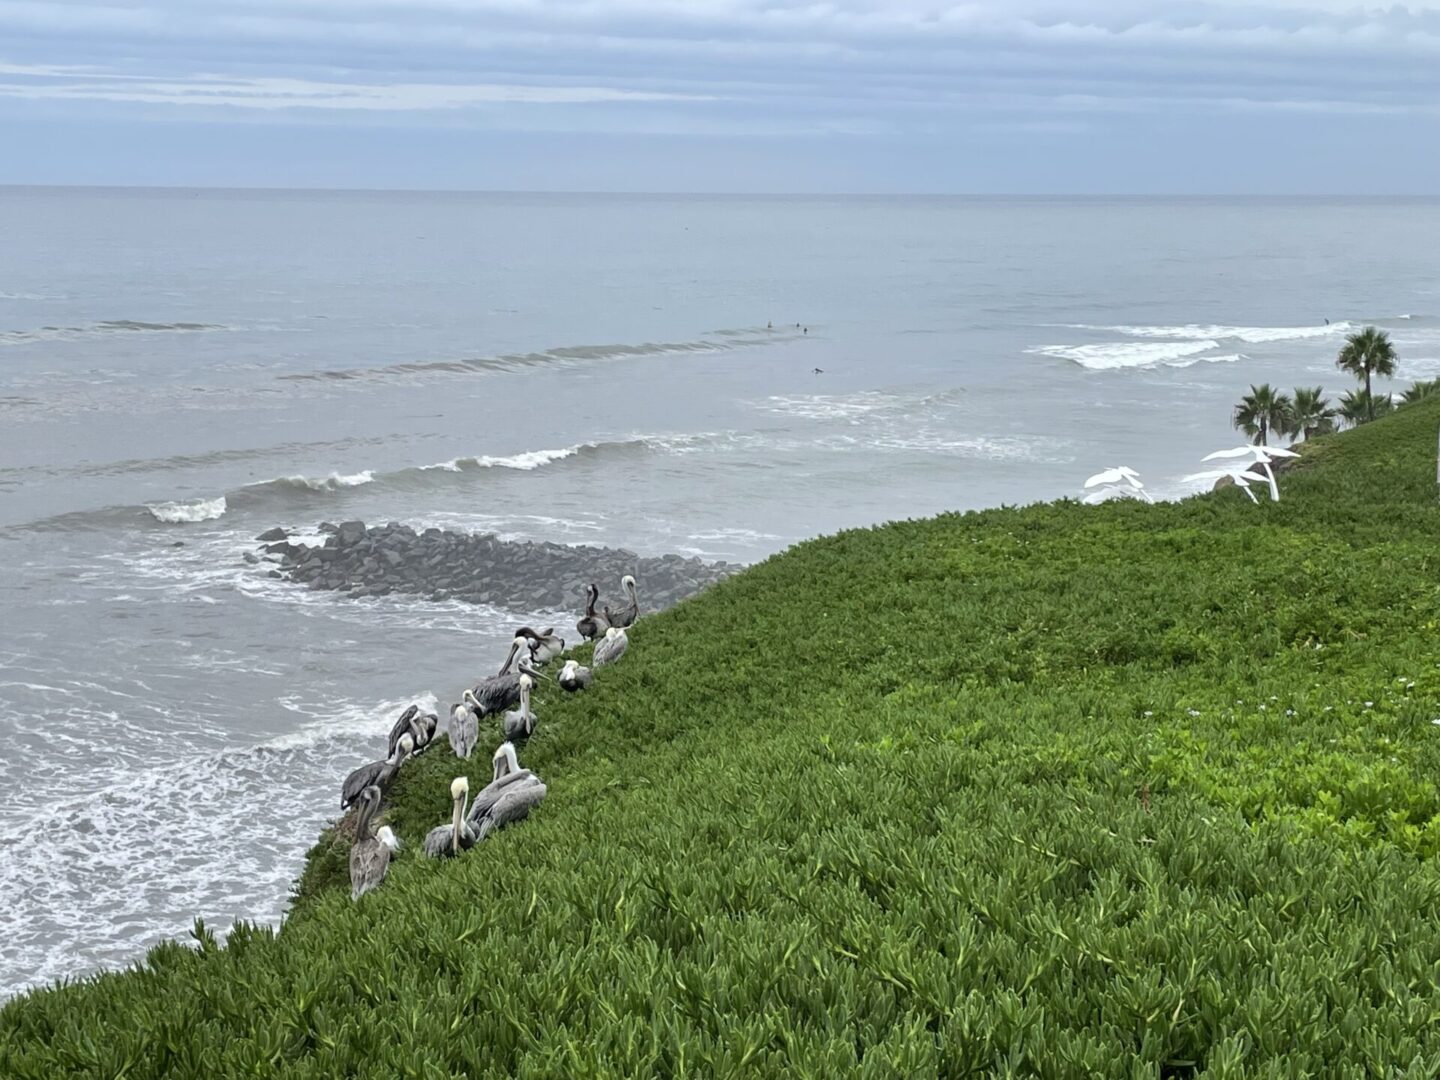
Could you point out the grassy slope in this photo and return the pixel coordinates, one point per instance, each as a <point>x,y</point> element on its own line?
<point>1057,791</point>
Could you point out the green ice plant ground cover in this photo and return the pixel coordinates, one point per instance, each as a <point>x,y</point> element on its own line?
<point>1059,791</point>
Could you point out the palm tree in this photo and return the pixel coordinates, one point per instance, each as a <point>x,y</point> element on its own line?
<point>1310,413</point>
<point>1365,353</point>
<point>1357,406</point>
<point>1420,390</point>
<point>1262,411</point>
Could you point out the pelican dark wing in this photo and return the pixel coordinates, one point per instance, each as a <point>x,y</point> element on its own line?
<point>369,855</point>
<point>514,804</point>
<point>423,727</point>
<point>369,862</point>
<point>500,692</point>
<point>573,677</point>
<point>378,773</point>
<point>612,648</point>
<point>518,724</point>
<point>490,794</point>
<point>358,781</point>
<point>591,625</point>
<point>627,615</point>
<point>440,841</point>
<point>400,727</point>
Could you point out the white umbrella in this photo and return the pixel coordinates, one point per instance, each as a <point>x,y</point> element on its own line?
<point>1110,482</point>
<point>1262,455</point>
<point>1242,476</point>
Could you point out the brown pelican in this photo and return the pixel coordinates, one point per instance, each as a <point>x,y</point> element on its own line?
<point>507,798</point>
<point>464,726</point>
<point>447,841</point>
<point>500,692</point>
<point>612,647</point>
<point>400,727</point>
<point>377,773</point>
<point>520,723</point>
<point>573,677</point>
<point>592,625</point>
<point>544,646</point>
<point>369,855</point>
<point>627,615</point>
<point>423,727</point>
<point>420,726</point>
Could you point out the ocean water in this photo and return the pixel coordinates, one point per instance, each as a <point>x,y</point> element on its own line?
<point>180,370</point>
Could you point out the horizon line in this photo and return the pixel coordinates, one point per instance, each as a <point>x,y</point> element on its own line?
<point>639,193</point>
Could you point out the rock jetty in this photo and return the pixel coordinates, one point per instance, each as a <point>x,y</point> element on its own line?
<point>480,568</point>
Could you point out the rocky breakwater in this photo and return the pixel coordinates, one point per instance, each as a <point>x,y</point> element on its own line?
<point>379,560</point>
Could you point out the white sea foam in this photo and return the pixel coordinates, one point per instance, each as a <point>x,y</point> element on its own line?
<point>828,406</point>
<point>530,459</point>
<point>333,482</point>
<point>981,447</point>
<point>1254,335</point>
<point>1116,355</point>
<point>149,852</point>
<point>174,513</point>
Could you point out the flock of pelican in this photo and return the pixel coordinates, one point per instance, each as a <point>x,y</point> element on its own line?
<point>512,792</point>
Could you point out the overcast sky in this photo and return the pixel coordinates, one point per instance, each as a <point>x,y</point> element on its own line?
<point>1008,96</point>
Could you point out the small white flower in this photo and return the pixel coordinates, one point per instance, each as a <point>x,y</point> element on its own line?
<point>1193,712</point>
<point>1149,713</point>
<point>1289,712</point>
<point>1368,704</point>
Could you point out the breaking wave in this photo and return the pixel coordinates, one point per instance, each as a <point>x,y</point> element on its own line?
<point>1177,346</point>
<point>333,482</point>
<point>1113,356</point>
<point>1253,335</point>
<point>174,513</point>
<point>531,459</point>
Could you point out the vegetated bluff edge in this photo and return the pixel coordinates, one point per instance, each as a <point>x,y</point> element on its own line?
<point>1057,791</point>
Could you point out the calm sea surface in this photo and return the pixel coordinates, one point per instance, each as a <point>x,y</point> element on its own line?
<point>196,367</point>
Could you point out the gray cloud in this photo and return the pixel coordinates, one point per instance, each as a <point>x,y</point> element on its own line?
<point>726,68</point>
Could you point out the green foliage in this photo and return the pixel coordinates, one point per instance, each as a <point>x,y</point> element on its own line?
<point>1359,406</point>
<point>1061,791</point>
<point>1365,354</point>
<point>1419,390</point>
<point>1262,411</point>
<point>1310,413</point>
